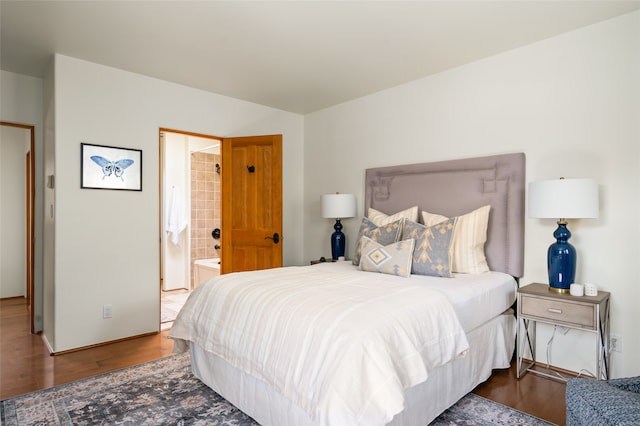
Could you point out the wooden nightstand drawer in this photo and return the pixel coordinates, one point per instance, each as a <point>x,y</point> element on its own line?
<point>559,312</point>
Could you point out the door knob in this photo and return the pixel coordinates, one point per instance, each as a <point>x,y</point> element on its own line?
<point>275,238</point>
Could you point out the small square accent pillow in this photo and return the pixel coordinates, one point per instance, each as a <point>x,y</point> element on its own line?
<point>380,218</point>
<point>468,242</point>
<point>393,259</point>
<point>432,251</point>
<point>385,234</point>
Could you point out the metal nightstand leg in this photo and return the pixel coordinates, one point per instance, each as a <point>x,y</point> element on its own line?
<point>525,340</point>
<point>603,343</point>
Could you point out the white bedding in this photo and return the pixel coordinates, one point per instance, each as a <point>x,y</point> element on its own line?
<point>343,346</point>
<point>491,346</point>
<point>476,298</point>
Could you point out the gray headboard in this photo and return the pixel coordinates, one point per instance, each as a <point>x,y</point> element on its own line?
<point>456,187</point>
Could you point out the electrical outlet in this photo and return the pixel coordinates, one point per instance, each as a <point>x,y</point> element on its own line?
<point>615,343</point>
<point>107,311</point>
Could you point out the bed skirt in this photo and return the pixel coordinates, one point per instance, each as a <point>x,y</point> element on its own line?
<point>491,346</point>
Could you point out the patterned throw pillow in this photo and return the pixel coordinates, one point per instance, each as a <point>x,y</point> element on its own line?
<point>469,240</point>
<point>393,259</point>
<point>432,251</point>
<point>380,218</point>
<point>385,235</point>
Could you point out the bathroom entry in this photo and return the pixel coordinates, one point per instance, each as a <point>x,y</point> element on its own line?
<point>249,171</point>
<point>190,205</point>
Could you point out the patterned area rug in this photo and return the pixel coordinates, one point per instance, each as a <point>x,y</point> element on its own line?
<point>164,392</point>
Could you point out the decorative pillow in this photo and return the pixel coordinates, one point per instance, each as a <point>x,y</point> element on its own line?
<point>432,251</point>
<point>380,218</point>
<point>385,235</point>
<point>393,259</point>
<point>469,239</point>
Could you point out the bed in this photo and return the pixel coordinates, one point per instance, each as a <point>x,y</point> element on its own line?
<point>378,342</point>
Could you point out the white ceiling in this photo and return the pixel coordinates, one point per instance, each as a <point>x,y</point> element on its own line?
<point>298,56</point>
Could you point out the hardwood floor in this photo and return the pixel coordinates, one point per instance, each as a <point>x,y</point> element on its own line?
<point>538,396</point>
<point>26,366</point>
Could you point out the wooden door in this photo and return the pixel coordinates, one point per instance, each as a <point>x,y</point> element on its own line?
<point>29,233</point>
<point>251,203</point>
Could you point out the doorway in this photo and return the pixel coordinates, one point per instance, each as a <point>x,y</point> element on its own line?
<point>208,236</point>
<point>17,204</point>
<point>190,199</point>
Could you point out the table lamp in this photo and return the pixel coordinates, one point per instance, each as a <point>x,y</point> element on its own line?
<point>338,206</point>
<point>562,199</point>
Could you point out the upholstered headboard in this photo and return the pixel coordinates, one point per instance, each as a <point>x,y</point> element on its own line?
<point>456,187</point>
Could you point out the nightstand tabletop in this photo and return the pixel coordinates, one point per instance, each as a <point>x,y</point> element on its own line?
<point>326,260</point>
<point>542,290</point>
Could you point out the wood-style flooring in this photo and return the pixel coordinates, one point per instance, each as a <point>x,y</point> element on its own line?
<point>26,366</point>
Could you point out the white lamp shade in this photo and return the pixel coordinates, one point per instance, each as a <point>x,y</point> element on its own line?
<point>563,199</point>
<point>338,206</point>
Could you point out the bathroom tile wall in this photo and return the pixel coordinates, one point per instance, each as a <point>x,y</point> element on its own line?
<point>205,206</point>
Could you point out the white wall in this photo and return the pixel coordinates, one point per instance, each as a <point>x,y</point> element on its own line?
<point>21,102</point>
<point>571,103</point>
<point>48,230</point>
<point>106,242</point>
<point>15,142</point>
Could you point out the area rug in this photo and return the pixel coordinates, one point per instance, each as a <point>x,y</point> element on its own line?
<point>165,392</point>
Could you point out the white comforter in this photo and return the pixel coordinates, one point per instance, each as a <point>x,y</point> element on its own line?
<point>341,345</point>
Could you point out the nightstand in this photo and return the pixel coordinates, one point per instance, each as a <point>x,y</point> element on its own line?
<point>589,313</point>
<point>323,260</point>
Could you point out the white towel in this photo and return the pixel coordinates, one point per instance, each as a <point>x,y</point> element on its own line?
<point>176,222</point>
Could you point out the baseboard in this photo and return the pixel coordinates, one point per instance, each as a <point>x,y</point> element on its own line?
<point>82,348</point>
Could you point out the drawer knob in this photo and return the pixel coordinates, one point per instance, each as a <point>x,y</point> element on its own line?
<point>555,311</point>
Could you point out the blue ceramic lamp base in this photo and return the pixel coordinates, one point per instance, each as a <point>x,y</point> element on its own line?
<point>337,241</point>
<point>561,260</point>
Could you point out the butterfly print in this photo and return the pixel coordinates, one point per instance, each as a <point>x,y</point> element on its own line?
<point>112,167</point>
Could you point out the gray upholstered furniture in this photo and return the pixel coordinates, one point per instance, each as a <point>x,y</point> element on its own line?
<point>611,402</point>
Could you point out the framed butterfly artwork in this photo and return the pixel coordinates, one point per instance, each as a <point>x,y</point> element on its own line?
<point>109,167</point>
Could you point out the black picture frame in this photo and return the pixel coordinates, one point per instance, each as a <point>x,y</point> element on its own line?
<point>110,167</point>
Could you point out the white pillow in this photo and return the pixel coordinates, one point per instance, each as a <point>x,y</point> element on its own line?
<point>468,240</point>
<point>380,218</point>
<point>392,259</point>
